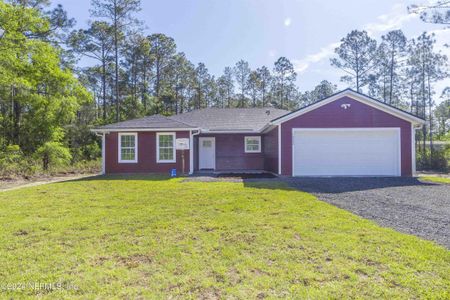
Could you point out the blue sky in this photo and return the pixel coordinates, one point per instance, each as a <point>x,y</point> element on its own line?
<point>220,32</point>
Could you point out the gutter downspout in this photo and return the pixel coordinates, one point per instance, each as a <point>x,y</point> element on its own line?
<point>191,151</point>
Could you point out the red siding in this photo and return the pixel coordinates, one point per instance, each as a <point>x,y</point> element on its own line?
<point>146,155</point>
<point>230,153</point>
<point>358,115</point>
<point>270,142</point>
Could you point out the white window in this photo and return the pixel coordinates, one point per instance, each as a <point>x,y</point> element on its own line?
<point>207,143</point>
<point>128,152</point>
<point>165,147</point>
<point>252,144</point>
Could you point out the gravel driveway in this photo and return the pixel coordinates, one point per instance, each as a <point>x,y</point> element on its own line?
<point>405,204</point>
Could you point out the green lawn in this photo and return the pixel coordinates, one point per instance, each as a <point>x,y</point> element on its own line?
<point>149,237</point>
<point>435,179</point>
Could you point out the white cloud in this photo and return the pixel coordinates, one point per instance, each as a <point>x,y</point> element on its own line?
<point>301,65</point>
<point>287,22</point>
<point>390,21</point>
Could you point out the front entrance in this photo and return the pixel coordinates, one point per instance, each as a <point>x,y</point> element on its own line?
<point>207,153</point>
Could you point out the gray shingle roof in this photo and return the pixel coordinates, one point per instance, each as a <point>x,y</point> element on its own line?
<point>212,119</point>
<point>230,119</point>
<point>155,121</point>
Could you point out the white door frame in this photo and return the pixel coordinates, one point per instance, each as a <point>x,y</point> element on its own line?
<point>395,129</point>
<point>200,140</point>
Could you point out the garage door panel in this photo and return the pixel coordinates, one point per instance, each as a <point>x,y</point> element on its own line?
<point>355,152</point>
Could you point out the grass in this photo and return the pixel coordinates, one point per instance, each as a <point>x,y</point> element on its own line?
<point>435,179</point>
<point>152,237</point>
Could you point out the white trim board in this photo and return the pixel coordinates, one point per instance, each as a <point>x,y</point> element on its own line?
<point>103,153</point>
<point>258,137</point>
<point>164,161</point>
<point>119,144</point>
<point>413,150</point>
<point>279,149</point>
<point>355,96</point>
<point>142,129</point>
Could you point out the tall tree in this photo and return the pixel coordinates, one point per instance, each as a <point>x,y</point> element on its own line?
<point>96,42</point>
<point>356,55</point>
<point>253,84</point>
<point>427,67</point>
<point>38,98</point>
<point>135,64</point>
<point>227,82</point>
<point>395,48</point>
<point>225,87</point>
<point>241,73</point>
<point>437,13</point>
<point>323,90</point>
<point>202,80</point>
<point>265,81</point>
<point>182,82</point>
<point>284,77</point>
<point>162,52</point>
<point>442,113</point>
<point>57,18</point>
<point>120,15</point>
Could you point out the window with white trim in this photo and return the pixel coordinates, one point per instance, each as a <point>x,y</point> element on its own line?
<point>252,144</point>
<point>128,147</point>
<point>165,145</point>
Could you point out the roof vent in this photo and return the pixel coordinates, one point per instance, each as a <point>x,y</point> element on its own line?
<point>267,111</point>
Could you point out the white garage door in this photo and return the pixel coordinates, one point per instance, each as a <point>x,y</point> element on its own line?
<point>341,152</point>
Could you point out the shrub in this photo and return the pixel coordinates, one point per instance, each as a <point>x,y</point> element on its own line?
<point>53,154</point>
<point>14,163</point>
<point>80,167</point>
<point>438,161</point>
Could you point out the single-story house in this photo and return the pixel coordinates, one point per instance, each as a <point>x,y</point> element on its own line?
<point>346,134</point>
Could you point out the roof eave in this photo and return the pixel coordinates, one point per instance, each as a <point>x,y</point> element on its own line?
<point>244,131</point>
<point>106,130</point>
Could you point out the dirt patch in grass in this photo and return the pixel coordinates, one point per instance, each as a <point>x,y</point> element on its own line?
<point>135,260</point>
<point>7,184</point>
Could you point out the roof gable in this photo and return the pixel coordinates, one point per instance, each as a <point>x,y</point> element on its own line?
<point>355,96</point>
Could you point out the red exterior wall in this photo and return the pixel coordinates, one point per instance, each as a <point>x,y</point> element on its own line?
<point>230,152</point>
<point>146,155</point>
<point>270,148</point>
<point>358,115</point>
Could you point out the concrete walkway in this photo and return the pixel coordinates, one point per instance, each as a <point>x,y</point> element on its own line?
<point>18,184</point>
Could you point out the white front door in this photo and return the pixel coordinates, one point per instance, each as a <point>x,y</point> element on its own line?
<point>207,153</point>
<point>346,152</point>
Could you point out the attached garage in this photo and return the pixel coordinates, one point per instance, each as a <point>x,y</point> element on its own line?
<point>347,134</point>
<point>346,152</point>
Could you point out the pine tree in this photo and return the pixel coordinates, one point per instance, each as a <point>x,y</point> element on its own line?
<point>120,15</point>
<point>356,56</point>
<point>284,77</point>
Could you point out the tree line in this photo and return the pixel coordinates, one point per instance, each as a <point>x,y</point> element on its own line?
<point>56,82</point>
<point>398,71</point>
<point>155,78</point>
